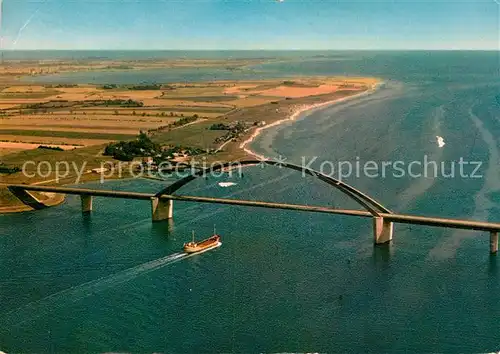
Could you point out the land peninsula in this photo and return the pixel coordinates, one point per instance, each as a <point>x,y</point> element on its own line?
<point>152,122</point>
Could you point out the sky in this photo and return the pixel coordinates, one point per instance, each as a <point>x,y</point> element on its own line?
<point>250,24</point>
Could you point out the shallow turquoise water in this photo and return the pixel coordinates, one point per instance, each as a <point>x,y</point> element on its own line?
<point>282,280</point>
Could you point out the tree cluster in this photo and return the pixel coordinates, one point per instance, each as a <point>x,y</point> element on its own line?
<point>128,150</point>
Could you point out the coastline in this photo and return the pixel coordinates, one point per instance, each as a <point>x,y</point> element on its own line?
<point>52,200</point>
<point>306,108</point>
<point>289,111</point>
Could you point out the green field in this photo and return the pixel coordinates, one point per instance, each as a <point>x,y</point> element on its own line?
<point>190,108</point>
<point>198,135</point>
<point>203,98</point>
<point>68,134</point>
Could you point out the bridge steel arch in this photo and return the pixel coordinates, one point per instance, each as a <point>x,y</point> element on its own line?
<point>382,229</point>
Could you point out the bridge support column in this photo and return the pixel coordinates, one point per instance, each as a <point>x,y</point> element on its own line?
<point>382,230</point>
<point>162,209</point>
<point>494,242</point>
<point>86,203</point>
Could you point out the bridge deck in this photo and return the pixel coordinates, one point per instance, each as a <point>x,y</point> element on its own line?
<point>398,218</point>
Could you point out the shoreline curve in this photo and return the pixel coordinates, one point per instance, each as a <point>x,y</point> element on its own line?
<point>306,108</point>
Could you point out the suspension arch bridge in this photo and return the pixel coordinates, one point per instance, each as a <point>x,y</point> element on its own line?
<point>162,205</point>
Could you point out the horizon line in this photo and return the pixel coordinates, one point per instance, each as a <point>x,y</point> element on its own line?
<point>255,49</point>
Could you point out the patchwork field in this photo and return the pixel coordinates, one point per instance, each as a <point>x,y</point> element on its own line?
<point>83,115</point>
<point>6,139</point>
<point>7,147</point>
<point>76,122</point>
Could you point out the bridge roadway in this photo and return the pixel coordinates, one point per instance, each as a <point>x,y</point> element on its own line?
<point>492,228</point>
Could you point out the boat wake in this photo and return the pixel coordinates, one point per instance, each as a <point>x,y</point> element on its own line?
<point>482,200</point>
<point>57,300</point>
<point>60,299</point>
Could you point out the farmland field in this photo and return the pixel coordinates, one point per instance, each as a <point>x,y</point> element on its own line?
<point>84,115</point>
<point>79,121</point>
<point>67,134</point>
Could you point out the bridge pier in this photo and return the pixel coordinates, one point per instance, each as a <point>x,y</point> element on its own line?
<point>86,203</point>
<point>494,242</point>
<point>382,230</point>
<point>162,209</point>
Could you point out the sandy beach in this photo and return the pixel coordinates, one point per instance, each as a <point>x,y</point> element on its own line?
<point>308,109</point>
